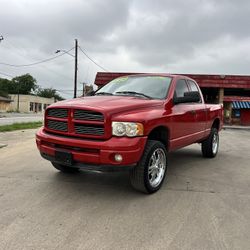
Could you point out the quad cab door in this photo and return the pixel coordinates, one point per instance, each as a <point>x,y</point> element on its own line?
<point>200,112</point>
<point>188,118</point>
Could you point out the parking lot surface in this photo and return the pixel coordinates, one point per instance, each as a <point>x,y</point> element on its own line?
<point>203,204</point>
<point>10,118</point>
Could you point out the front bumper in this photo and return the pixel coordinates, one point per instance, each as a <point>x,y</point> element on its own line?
<point>92,153</point>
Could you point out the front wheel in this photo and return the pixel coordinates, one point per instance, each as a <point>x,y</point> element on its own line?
<point>150,172</point>
<point>210,146</point>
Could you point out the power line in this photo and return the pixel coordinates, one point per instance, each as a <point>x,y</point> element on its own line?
<point>65,90</point>
<point>17,49</point>
<point>4,74</point>
<point>50,59</point>
<point>35,63</point>
<point>40,65</point>
<point>92,59</point>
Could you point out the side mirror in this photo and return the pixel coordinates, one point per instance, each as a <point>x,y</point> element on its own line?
<point>192,96</point>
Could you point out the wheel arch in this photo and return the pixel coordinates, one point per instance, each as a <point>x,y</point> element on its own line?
<point>160,133</point>
<point>216,124</point>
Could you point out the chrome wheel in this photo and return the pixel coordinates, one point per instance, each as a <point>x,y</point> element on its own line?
<point>210,146</point>
<point>157,167</point>
<point>215,143</point>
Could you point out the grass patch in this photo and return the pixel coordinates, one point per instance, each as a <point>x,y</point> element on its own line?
<point>19,126</point>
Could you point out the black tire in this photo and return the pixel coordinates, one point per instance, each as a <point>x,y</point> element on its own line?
<point>207,147</point>
<point>65,169</point>
<point>140,175</point>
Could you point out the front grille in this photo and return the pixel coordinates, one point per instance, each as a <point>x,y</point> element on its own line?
<point>88,115</point>
<point>89,129</point>
<point>57,125</point>
<point>84,123</point>
<point>58,113</point>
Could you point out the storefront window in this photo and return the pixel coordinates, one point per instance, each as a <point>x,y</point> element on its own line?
<point>236,113</point>
<point>40,107</point>
<point>31,106</point>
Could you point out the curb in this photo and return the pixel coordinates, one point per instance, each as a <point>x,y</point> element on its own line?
<point>236,128</point>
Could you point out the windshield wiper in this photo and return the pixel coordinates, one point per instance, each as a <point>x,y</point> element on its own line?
<point>103,93</point>
<point>133,93</point>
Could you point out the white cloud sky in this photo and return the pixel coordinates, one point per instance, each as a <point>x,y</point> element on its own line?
<point>194,36</point>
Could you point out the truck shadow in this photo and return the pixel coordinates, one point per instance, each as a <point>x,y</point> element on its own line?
<point>184,159</point>
<point>106,183</point>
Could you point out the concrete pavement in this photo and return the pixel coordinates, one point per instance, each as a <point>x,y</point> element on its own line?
<point>203,205</point>
<point>236,127</point>
<point>10,118</point>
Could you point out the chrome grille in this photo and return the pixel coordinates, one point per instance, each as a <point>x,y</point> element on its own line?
<point>58,113</point>
<point>57,125</point>
<point>83,123</point>
<point>88,115</point>
<point>89,129</point>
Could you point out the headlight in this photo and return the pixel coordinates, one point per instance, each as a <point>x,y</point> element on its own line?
<point>127,129</point>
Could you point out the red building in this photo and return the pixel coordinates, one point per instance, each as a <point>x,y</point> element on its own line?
<point>231,90</point>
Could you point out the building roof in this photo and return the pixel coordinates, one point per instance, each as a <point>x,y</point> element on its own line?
<point>5,99</point>
<point>241,105</point>
<point>236,99</point>
<point>214,81</point>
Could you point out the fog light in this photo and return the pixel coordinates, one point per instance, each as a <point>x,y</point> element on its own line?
<point>118,157</point>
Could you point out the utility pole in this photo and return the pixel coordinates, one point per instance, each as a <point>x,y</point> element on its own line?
<point>75,79</point>
<point>75,70</point>
<point>18,91</point>
<point>83,88</point>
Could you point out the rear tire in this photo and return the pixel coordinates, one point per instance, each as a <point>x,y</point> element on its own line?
<point>65,169</point>
<point>210,146</point>
<point>149,173</point>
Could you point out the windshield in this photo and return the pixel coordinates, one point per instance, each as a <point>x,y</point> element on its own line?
<point>155,87</point>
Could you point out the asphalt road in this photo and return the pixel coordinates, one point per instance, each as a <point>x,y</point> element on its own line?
<point>203,205</point>
<point>7,119</point>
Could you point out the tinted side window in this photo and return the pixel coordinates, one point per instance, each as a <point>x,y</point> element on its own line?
<point>193,86</point>
<point>181,88</point>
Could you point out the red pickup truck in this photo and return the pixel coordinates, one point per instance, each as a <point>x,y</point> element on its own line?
<point>130,123</point>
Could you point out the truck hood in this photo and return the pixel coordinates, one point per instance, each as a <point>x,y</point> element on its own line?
<point>111,104</point>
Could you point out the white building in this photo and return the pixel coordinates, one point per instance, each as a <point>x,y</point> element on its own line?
<point>30,103</point>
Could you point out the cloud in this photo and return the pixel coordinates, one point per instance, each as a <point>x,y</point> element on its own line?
<point>195,36</point>
<point>165,33</point>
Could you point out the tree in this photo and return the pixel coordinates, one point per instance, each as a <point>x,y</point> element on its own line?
<point>48,93</point>
<point>26,84</point>
<point>23,84</point>
<point>4,85</point>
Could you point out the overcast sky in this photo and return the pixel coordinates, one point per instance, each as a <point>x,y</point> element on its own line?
<point>193,36</point>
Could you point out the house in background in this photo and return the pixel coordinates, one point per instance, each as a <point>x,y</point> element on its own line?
<point>30,103</point>
<point>5,104</point>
